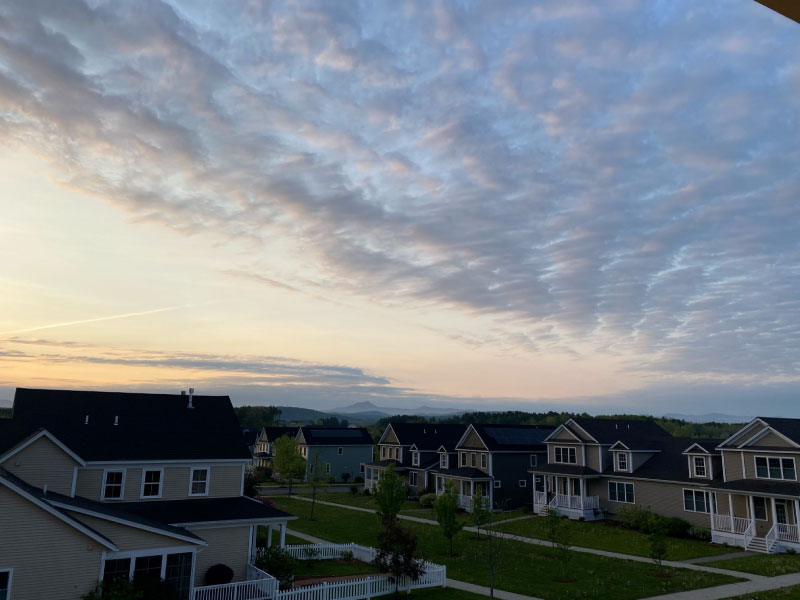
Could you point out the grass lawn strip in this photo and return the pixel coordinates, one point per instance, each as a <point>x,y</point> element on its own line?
<point>787,593</point>
<point>525,569</point>
<point>770,565</point>
<point>334,568</point>
<point>602,536</point>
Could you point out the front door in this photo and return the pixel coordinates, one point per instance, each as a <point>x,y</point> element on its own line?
<point>781,514</point>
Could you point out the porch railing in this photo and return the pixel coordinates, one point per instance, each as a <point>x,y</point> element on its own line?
<point>464,501</point>
<point>787,533</point>
<point>540,497</point>
<point>574,502</point>
<point>737,525</point>
<point>259,586</point>
<point>331,551</point>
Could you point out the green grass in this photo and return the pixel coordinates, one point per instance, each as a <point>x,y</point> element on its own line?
<point>789,593</point>
<point>525,568</point>
<point>602,536</point>
<point>348,499</point>
<point>334,568</point>
<point>769,565</point>
<point>443,594</point>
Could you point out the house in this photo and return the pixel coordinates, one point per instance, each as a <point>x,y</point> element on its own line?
<point>264,443</point>
<point>755,490</point>
<point>99,486</point>
<point>338,452</point>
<point>493,460</point>
<point>414,449</point>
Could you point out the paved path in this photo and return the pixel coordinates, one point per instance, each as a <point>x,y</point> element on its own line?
<point>734,589</point>
<point>485,591</point>
<point>706,559</point>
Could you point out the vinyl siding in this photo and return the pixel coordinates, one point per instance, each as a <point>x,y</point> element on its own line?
<point>390,438</point>
<point>564,436</point>
<point>593,457</point>
<point>349,461</point>
<point>665,499</point>
<point>745,433</point>
<point>773,440</point>
<point>551,453</point>
<point>225,481</point>
<point>50,559</point>
<point>228,546</point>
<point>43,463</point>
<point>473,440</point>
<point>129,538</point>
<point>733,465</point>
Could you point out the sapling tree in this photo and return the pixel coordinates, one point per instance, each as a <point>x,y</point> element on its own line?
<point>657,537</point>
<point>446,513</point>
<point>389,494</point>
<point>288,462</point>
<point>481,510</point>
<point>397,553</point>
<point>315,478</point>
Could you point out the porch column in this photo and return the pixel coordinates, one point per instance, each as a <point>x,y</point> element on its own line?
<point>269,535</point>
<point>730,509</point>
<point>283,534</point>
<point>774,513</point>
<point>752,505</point>
<point>582,491</point>
<point>471,487</point>
<point>711,503</point>
<point>797,514</point>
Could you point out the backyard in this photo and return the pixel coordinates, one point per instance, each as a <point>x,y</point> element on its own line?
<point>524,568</point>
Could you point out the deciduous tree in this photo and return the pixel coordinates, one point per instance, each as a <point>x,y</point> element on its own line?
<point>446,513</point>
<point>287,461</point>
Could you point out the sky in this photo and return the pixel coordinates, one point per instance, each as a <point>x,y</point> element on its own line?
<point>485,205</point>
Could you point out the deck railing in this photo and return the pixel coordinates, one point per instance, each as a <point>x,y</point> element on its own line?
<point>574,502</point>
<point>787,533</point>
<point>738,525</point>
<point>259,586</point>
<point>331,551</point>
<point>540,497</point>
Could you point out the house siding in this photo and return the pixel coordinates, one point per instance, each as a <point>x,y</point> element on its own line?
<point>50,559</point>
<point>43,463</point>
<point>390,438</point>
<point>551,453</point>
<point>228,546</point>
<point>593,457</point>
<point>348,462</point>
<point>665,499</point>
<point>509,469</point>
<point>733,465</point>
<point>473,441</point>
<point>746,433</point>
<point>129,538</point>
<point>564,436</point>
<point>225,481</point>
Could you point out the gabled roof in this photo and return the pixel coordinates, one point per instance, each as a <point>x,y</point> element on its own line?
<point>18,446</point>
<point>707,446</point>
<point>317,435</point>
<point>632,432</point>
<point>789,428</point>
<point>428,437</point>
<point>207,511</point>
<point>149,426</point>
<point>273,433</point>
<point>668,463</point>
<point>511,438</point>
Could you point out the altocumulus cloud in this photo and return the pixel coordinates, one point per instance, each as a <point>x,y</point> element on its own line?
<point>624,177</point>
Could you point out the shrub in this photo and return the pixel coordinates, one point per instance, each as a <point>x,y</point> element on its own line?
<point>346,555</point>
<point>525,509</point>
<point>427,500</point>
<point>263,473</point>
<point>676,527</point>
<point>345,477</point>
<point>791,551</point>
<point>358,479</point>
<point>633,517</point>
<point>354,489</point>
<point>266,501</point>
<point>250,484</point>
<point>701,533</point>
<point>278,563</point>
<point>367,492</point>
<point>330,479</point>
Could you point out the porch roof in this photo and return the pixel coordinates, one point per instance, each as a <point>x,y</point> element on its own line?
<point>206,510</point>
<point>760,487</point>
<point>463,473</point>
<point>382,464</point>
<point>571,470</point>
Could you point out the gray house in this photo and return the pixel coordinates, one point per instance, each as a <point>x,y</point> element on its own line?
<point>340,452</point>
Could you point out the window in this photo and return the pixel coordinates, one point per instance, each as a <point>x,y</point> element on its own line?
<point>5,584</point>
<point>383,451</point>
<point>413,477</point>
<point>113,485</point>
<point>622,461</point>
<point>620,492</point>
<point>415,458</point>
<point>199,481</point>
<point>484,461</point>
<point>339,452</point>
<point>760,508</point>
<point>327,468</point>
<point>361,467</point>
<point>697,501</point>
<point>151,483</point>
<point>472,458</point>
<point>463,458</point>
<point>523,483</point>
<point>497,483</point>
<point>533,460</point>
<point>443,461</point>
<point>699,466</point>
<point>148,567</point>
<point>775,468</point>
<point>179,573</point>
<point>565,455</point>
<point>119,568</point>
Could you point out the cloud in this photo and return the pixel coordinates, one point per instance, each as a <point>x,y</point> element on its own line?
<point>622,179</point>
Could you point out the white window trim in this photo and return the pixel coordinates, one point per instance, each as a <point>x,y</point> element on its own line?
<point>523,483</point>
<point>484,460</point>
<point>103,488</point>
<point>463,461</point>
<point>134,554</point>
<point>10,571</point>
<point>623,483</point>
<point>533,460</point>
<point>694,467</point>
<point>498,483</point>
<point>624,456</point>
<point>327,468</point>
<point>361,468</point>
<point>415,475</point>
<point>780,458</point>
<point>766,510</point>
<point>444,461</point>
<point>160,482</point>
<point>708,496</point>
<point>565,451</point>
<point>415,458</point>
<point>208,479</point>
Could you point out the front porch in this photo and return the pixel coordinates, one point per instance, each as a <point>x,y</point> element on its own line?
<point>755,523</point>
<point>467,490</point>
<point>566,495</point>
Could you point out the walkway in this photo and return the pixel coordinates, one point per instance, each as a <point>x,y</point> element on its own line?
<point>755,583</point>
<point>705,559</point>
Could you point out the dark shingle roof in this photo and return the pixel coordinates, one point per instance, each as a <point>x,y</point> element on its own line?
<point>151,426</point>
<point>204,510</point>
<point>273,433</point>
<point>509,438</point>
<point>463,472</point>
<point>668,464</point>
<point>558,469</point>
<point>760,486</point>
<point>636,432</point>
<point>336,436</point>
<point>788,427</point>
<point>428,436</point>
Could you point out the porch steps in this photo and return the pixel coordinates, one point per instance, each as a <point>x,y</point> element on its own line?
<point>758,544</point>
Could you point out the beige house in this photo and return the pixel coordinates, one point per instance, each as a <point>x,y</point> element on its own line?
<point>100,486</point>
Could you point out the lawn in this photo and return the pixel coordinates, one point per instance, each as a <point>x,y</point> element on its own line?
<point>789,593</point>
<point>525,569</point>
<point>603,536</point>
<point>334,568</point>
<point>359,500</point>
<point>770,565</point>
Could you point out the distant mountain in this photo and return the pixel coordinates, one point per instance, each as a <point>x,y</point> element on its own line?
<point>385,411</point>
<point>710,418</point>
<point>295,414</point>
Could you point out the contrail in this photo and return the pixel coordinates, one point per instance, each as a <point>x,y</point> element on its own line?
<point>110,318</point>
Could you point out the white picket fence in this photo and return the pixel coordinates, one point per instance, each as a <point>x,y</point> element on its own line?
<point>331,551</point>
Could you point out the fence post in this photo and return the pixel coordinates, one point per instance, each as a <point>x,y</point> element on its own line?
<point>325,590</point>
<point>369,588</point>
<point>444,576</point>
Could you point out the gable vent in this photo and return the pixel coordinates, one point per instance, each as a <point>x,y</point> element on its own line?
<point>86,420</point>
<point>116,419</point>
